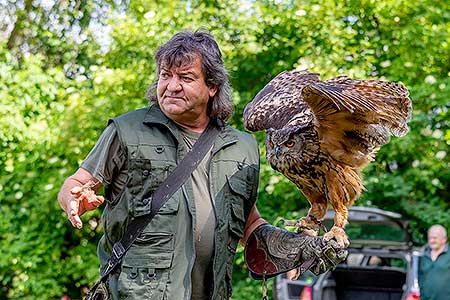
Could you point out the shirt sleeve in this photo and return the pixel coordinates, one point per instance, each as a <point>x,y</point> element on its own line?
<point>107,157</point>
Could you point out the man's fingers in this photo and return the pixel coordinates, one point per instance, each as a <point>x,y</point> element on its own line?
<point>83,198</point>
<point>98,201</point>
<point>73,207</point>
<point>336,253</point>
<point>331,255</point>
<point>73,210</point>
<point>92,202</point>
<point>320,267</point>
<point>76,191</point>
<point>76,221</point>
<point>342,254</point>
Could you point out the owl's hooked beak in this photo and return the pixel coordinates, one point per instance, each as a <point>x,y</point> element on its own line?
<point>277,151</point>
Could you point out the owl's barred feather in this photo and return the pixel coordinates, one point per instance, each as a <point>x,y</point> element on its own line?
<point>320,134</point>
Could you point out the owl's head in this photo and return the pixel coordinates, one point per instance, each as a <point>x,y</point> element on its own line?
<point>291,146</point>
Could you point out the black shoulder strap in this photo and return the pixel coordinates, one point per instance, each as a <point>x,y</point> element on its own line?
<point>163,193</point>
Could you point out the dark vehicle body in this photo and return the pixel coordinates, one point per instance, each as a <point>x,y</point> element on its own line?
<point>381,265</point>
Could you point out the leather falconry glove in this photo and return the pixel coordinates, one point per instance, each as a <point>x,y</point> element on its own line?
<point>270,251</point>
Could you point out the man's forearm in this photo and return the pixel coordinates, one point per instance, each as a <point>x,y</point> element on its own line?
<point>251,227</point>
<point>254,220</point>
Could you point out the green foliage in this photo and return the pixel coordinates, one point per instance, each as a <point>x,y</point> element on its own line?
<point>57,94</point>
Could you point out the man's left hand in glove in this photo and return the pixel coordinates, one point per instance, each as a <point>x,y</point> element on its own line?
<point>271,250</point>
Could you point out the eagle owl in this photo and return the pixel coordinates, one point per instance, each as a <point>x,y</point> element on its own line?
<point>321,134</point>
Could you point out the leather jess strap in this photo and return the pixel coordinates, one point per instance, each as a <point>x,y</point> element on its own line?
<point>171,184</point>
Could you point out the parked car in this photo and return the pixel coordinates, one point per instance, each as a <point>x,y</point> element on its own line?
<point>382,263</point>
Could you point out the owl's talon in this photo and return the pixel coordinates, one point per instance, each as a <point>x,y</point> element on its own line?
<point>339,235</point>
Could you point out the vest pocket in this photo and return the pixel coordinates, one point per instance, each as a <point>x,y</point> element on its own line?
<point>146,176</point>
<point>237,221</point>
<point>156,240</point>
<point>142,282</point>
<point>146,267</point>
<point>239,194</point>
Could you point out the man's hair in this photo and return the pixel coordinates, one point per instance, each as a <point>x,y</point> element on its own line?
<point>182,49</point>
<point>438,228</point>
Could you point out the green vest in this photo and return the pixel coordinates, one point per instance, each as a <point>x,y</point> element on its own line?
<point>158,265</point>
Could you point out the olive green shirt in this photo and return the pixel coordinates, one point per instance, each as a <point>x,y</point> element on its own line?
<point>204,223</point>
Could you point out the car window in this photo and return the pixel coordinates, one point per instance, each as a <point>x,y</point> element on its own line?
<point>388,231</point>
<point>354,259</point>
<point>377,261</point>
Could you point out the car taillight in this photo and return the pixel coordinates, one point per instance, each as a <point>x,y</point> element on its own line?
<point>306,293</point>
<point>413,296</point>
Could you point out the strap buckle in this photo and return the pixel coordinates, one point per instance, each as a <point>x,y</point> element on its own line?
<point>117,253</point>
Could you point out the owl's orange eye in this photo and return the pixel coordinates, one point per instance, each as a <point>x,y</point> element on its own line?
<point>290,144</point>
<point>271,144</point>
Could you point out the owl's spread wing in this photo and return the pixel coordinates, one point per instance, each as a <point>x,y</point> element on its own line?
<point>352,117</point>
<point>355,117</point>
<point>279,102</point>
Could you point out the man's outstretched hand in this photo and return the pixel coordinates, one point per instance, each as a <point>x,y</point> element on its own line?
<point>82,198</point>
